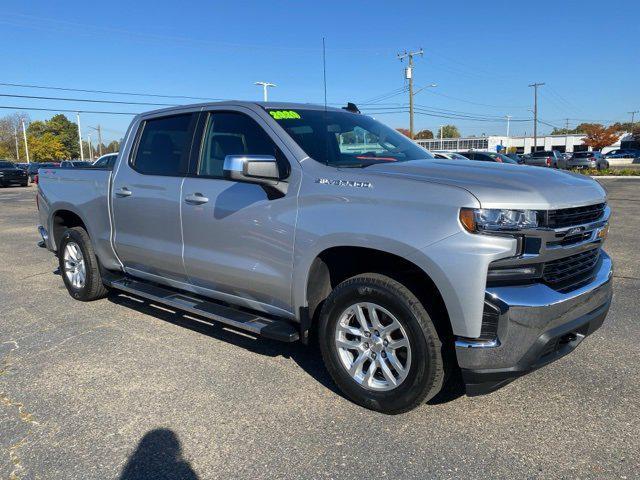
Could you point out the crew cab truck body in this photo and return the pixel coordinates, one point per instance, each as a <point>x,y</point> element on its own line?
<point>287,219</point>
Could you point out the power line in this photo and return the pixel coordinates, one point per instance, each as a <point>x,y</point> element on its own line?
<point>6,107</point>
<point>105,92</point>
<point>86,100</point>
<point>384,96</point>
<point>474,103</point>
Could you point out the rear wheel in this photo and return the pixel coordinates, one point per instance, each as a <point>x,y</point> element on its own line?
<point>79,266</point>
<point>380,345</point>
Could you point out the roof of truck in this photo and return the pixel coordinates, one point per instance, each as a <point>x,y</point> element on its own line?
<point>235,103</point>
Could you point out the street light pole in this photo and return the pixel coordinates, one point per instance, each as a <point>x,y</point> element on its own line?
<point>80,136</point>
<point>633,116</point>
<point>265,86</point>
<point>26,145</point>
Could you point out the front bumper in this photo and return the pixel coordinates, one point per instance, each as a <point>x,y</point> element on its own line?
<point>536,326</point>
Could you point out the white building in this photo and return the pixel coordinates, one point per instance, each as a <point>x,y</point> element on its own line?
<point>562,143</point>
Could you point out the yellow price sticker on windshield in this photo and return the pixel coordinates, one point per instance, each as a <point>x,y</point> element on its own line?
<point>284,114</point>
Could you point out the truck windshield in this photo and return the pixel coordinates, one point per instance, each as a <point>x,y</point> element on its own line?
<point>345,139</point>
<point>6,165</point>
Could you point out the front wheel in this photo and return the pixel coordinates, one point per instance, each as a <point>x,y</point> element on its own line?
<point>79,266</point>
<point>380,345</point>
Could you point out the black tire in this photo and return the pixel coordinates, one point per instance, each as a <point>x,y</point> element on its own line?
<point>426,373</point>
<point>25,184</point>
<point>93,288</point>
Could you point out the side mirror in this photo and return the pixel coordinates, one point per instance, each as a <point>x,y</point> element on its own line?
<point>260,169</point>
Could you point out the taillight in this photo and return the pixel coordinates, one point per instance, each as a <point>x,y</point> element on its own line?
<point>548,161</point>
<point>35,179</point>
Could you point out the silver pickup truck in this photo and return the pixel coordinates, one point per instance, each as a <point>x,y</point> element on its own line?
<point>297,222</point>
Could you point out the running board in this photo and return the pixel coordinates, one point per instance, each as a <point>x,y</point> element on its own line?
<point>280,330</point>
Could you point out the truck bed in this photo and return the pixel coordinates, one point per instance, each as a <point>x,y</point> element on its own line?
<point>85,193</point>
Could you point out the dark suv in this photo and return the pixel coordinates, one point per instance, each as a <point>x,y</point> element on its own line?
<point>12,175</point>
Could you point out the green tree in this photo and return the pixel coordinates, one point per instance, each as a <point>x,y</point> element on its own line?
<point>424,135</point>
<point>564,131</point>
<point>113,147</point>
<point>450,131</point>
<point>46,148</point>
<point>61,128</point>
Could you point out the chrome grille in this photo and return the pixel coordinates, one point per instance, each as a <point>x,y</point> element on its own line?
<point>570,270</point>
<point>567,217</point>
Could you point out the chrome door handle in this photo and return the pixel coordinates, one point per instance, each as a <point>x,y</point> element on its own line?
<point>123,192</point>
<point>196,199</point>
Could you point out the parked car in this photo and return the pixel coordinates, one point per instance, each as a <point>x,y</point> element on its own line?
<point>10,174</point>
<point>588,160</point>
<point>546,158</point>
<point>488,157</point>
<point>447,154</point>
<point>623,153</point>
<point>255,215</point>
<point>106,161</point>
<point>515,157</point>
<point>33,168</point>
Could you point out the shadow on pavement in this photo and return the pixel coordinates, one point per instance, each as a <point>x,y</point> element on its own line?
<point>158,457</point>
<point>307,357</point>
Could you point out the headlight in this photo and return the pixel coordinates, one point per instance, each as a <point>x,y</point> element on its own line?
<point>496,220</point>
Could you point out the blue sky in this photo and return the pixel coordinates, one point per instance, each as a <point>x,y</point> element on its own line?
<point>482,56</point>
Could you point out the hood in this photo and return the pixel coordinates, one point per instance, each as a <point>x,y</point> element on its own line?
<point>501,185</point>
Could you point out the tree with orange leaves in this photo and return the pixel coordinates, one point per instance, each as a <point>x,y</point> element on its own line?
<point>598,136</point>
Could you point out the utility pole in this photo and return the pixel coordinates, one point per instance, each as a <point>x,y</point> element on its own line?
<point>441,143</point>
<point>15,135</point>
<point>408,74</point>
<point>566,133</point>
<point>265,86</point>
<point>26,145</point>
<point>90,148</point>
<point>633,116</point>
<point>508,125</point>
<point>99,130</point>
<point>80,137</point>
<point>535,113</point>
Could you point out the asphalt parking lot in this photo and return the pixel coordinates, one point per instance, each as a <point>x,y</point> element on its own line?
<point>120,389</point>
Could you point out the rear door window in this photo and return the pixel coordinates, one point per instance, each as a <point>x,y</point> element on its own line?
<point>164,145</point>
